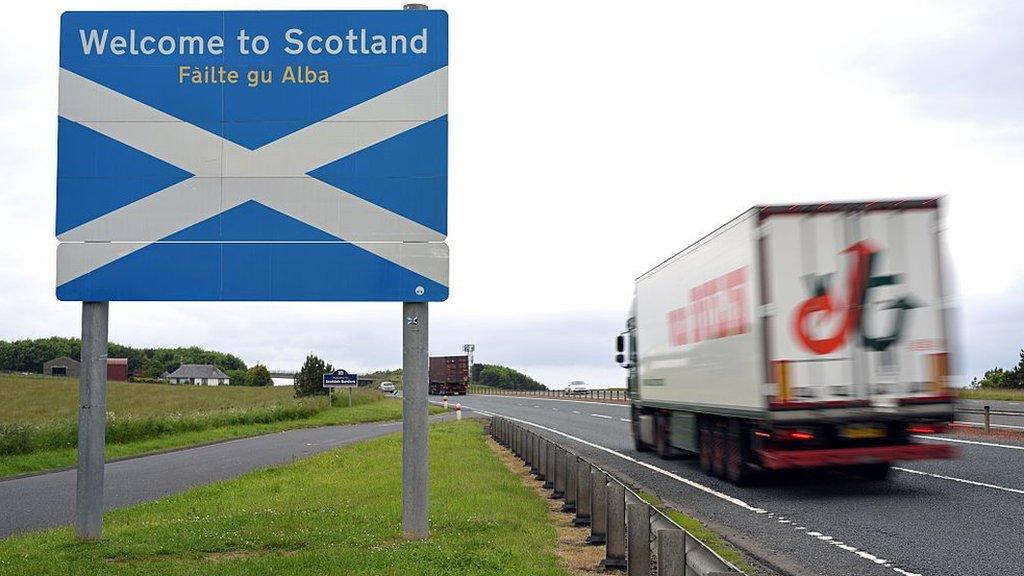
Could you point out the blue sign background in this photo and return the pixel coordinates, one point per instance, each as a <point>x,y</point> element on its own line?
<point>340,378</point>
<point>123,175</point>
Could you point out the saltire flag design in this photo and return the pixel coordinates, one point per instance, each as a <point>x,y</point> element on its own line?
<point>171,189</point>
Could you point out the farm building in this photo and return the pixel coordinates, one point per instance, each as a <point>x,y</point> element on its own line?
<point>202,374</point>
<point>117,368</point>
<point>63,366</point>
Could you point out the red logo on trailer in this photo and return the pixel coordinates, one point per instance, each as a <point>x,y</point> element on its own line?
<point>717,308</point>
<point>823,305</point>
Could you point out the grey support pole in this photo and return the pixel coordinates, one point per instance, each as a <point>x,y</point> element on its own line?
<point>584,482</point>
<point>414,420</point>
<point>598,507</point>
<point>671,553</point>
<point>571,482</point>
<point>549,465</point>
<point>92,421</point>
<point>615,551</point>
<point>639,526</point>
<point>559,491</point>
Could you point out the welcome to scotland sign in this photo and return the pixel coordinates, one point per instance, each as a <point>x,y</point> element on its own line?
<point>253,156</point>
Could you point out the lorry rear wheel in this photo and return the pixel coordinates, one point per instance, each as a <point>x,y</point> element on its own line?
<point>704,445</point>
<point>718,449</point>
<point>874,472</point>
<point>737,470</point>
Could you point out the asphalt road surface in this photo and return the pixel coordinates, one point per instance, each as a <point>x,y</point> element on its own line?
<point>47,500</point>
<point>1012,422</point>
<point>935,518</point>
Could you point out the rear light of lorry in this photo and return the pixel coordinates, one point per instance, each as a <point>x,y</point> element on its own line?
<point>799,435</point>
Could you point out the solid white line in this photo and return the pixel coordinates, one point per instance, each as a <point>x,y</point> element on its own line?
<point>976,442</point>
<point>731,499</point>
<point>601,416</point>
<point>981,425</point>
<point>961,480</point>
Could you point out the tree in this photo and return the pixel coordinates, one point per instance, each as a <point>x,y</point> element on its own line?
<point>310,379</point>
<point>504,377</point>
<point>1015,378</point>
<point>153,368</point>
<point>259,376</point>
<point>238,377</point>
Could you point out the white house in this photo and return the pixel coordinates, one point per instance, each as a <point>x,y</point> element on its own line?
<point>202,374</point>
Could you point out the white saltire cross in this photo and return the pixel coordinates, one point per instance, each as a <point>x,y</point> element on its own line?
<point>226,174</point>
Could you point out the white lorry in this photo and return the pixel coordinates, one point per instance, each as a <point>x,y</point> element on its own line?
<point>796,337</point>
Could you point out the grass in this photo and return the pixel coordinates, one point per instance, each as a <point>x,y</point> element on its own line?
<point>39,431</point>
<point>38,399</point>
<point>724,549</point>
<point>336,513</point>
<point>1009,394</point>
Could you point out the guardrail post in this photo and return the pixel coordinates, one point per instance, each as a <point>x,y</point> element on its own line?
<point>988,418</point>
<point>571,482</point>
<point>583,482</point>
<point>542,458</point>
<point>549,465</point>
<point>639,526</point>
<point>534,456</point>
<point>559,491</point>
<point>599,507</point>
<point>615,550</point>
<point>671,553</point>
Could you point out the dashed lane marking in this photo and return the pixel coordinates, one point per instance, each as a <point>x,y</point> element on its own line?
<point>601,416</point>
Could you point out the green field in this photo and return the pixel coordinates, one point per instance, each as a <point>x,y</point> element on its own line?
<point>1009,394</point>
<point>337,513</point>
<point>38,399</point>
<point>154,417</point>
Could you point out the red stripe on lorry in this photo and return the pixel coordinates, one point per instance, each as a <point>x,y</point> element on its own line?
<point>780,459</point>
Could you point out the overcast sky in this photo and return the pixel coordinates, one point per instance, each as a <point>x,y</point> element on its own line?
<point>588,144</point>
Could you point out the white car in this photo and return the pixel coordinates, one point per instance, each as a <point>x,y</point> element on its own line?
<point>577,387</point>
<point>387,387</point>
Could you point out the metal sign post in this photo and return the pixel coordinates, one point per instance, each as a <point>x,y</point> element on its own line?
<point>414,420</point>
<point>92,421</point>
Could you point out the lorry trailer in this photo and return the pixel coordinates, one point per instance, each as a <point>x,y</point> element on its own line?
<point>449,375</point>
<point>802,336</point>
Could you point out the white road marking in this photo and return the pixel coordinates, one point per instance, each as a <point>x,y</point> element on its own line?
<point>575,411</point>
<point>624,420</point>
<point>601,416</point>
<point>706,489</point>
<point>976,442</point>
<point>961,480</point>
<point>555,409</point>
<point>980,425</point>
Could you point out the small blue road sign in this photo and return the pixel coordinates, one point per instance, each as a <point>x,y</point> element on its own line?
<point>340,379</point>
<point>253,156</point>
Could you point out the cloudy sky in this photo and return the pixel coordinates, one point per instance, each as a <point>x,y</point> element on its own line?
<point>588,144</point>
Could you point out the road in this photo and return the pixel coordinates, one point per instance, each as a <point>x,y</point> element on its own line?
<point>935,518</point>
<point>1013,422</point>
<point>47,500</point>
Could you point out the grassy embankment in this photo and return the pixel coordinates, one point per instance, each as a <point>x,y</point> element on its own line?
<point>1010,394</point>
<point>38,427</point>
<point>336,513</point>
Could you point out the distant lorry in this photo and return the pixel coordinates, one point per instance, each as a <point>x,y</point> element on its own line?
<point>796,337</point>
<point>449,375</point>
